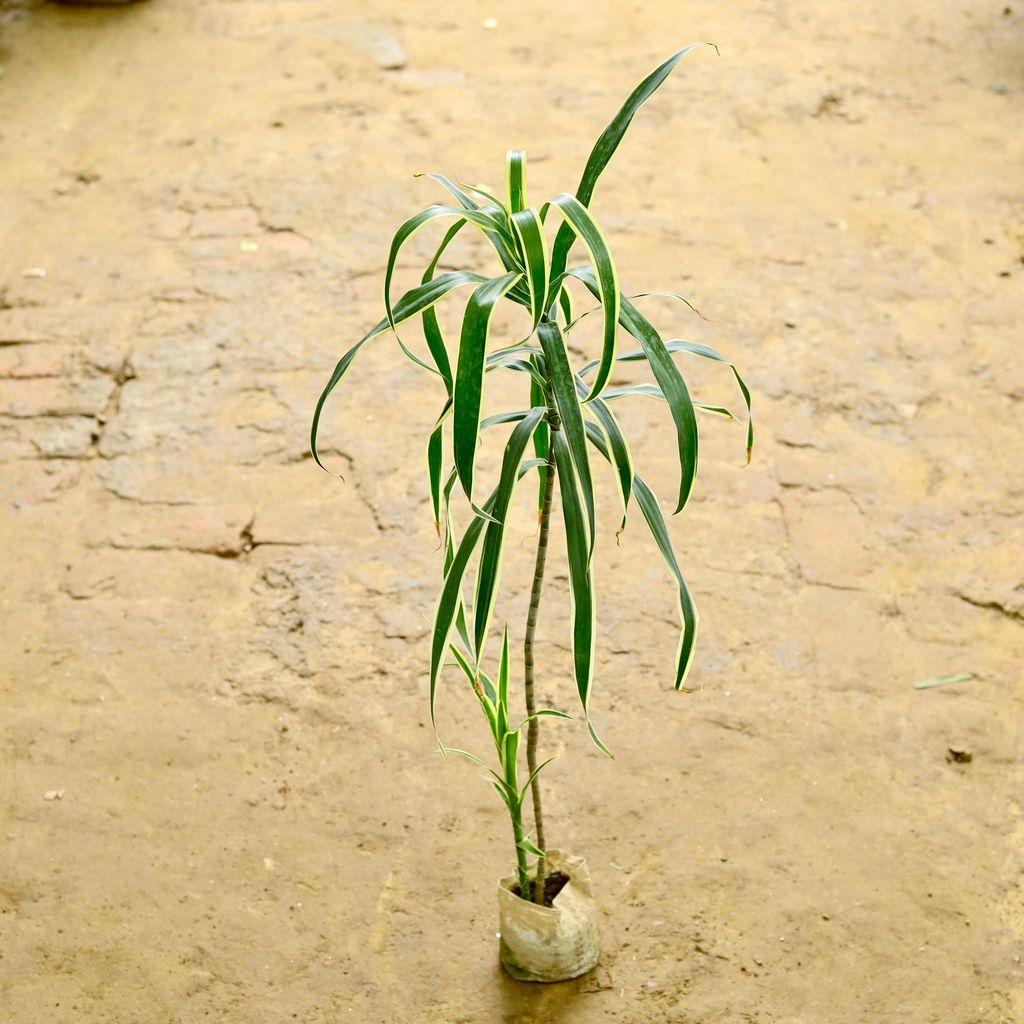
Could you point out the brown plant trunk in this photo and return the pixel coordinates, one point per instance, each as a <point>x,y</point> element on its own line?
<point>533,728</point>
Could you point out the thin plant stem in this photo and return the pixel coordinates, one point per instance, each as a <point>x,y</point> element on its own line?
<point>533,728</point>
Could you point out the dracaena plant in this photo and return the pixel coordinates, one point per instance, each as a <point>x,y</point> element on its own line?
<point>570,413</point>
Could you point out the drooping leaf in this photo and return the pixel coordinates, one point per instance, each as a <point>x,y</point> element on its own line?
<point>653,391</point>
<point>581,589</point>
<point>469,379</point>
<point>605,278</point>
<point>412,225</point>
<point>431,327</point>
<point>500,235</point>
<point>697,349</point>
<point>651,510</point>
<point>606,145</point>
<point>667,374</point>
<point>563,389</point>
<point>489,570</point>
<point>450,601</point>
<point>531,239</point>
<point>618,447</point>
<point>434,460</point>
<point>412,303</point>
<point>565,304</point>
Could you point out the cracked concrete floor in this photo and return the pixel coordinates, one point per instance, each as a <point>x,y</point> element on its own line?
<point>218,794</point>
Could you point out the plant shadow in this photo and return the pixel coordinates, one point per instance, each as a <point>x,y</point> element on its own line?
<point>526,1002</point>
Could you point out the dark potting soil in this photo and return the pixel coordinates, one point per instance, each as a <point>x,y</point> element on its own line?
<point>553,885</point>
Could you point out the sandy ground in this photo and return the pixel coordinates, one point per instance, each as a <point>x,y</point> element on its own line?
<point>219,796</point>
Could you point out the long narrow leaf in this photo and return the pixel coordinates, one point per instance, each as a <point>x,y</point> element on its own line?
<point>504,674</point>
<point>697,349</point>
<point>606,145</point>
<point>667,374</point>
<point>620,457</point>
<point>500,235</point>
<point>450,602</point>
<point>581,581</point>
<point>431,327</point>
<point>538,396</point>
<point>434,460</point>
<point>531,238</point>
<point>606,279</point>
<point>689,619</point>
<point>469,380</point>
<point>707,352</point>
<point>515,163</point>
<point>653,391</point>
<point>571,416</point>
<point>489,570</point>
<point>410,227</point>
<point>412,303</point>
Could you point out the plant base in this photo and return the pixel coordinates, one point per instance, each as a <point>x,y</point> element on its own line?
<point>553,943</point>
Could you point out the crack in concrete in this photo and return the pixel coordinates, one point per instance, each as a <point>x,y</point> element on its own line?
<point>991,604</point>
<point>124,374</point>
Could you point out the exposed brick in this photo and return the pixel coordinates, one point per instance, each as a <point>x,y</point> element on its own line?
<point>213,529</point>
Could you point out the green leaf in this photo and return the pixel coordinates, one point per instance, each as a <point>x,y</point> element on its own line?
<point>469,380</point>
<point>538,396</point>
<point>529,846</point>
<point>463,753</point>
<point>606,145</point>
<point>434,459</point>
<point>706,352</point>
<point>508,761</point>
<point>411,226</point>
<point>515,163</point>
<point>504,417</point>
<point>581,587</point>
<point>620,457</point>
<point>653,391</point>
<point>597,740</point>
<point>502,790</point>
<point>431,327</point>
<point>450,602</point>
<point>531,240</point>
<point>504,672</point>
<point>606,278</point>
<point>499,355</point>
<point>484,693</point>
<point>563,388</point>
<point>670,295</point>
<point>565,303</point>
<point>411,304</point>
<point>520,366</point>
<point>500,235</point>
<point>648,503</point>
<point>488,685</point>
<point>666,373</point>
<point>544,713</point>
<point>489,570</point>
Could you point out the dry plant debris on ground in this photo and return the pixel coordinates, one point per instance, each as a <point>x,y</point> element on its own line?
<point>218,794</point>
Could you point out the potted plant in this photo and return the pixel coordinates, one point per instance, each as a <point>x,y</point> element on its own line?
<point>548,921</point>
